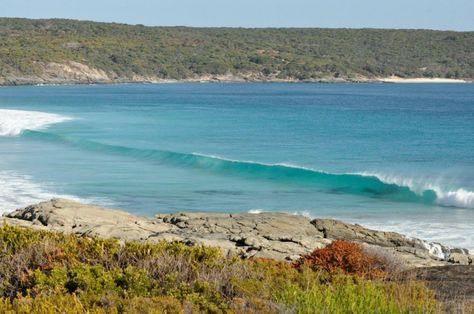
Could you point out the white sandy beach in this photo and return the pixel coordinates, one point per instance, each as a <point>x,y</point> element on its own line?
<point>395,79</point>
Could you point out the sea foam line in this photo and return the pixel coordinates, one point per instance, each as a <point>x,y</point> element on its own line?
<point>13,122</point>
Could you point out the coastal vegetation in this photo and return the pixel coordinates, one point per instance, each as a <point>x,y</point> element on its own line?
<point>49,272</point>
<point>134,53</point>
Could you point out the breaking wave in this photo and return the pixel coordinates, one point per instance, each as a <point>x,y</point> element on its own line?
<point>362,184</point>
<point>461,198</point>
<point>14,122</point>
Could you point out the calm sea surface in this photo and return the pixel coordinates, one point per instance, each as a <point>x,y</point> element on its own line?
<point>396,157</point>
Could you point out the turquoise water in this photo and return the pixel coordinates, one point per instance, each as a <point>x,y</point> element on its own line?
<point>396,157</point>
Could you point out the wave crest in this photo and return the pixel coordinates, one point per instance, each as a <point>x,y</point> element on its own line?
<point>461,198</point>
<point>361,184</point>
<point>14,122</point>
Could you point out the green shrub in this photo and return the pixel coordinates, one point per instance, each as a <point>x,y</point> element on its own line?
<point>346,294</point>
<point>46,272</point>
<point>133,281</point>
<point>179,52</point>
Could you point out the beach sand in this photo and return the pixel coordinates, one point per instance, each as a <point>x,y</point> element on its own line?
<point>395,79</point>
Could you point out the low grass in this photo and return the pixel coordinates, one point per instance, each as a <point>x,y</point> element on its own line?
<point>46,272</point>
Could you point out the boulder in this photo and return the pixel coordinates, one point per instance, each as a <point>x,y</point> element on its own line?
<point>335,229</point>
<point>459,258</point>
<point>72,217</point>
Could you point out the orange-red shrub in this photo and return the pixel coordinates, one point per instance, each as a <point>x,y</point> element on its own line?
<point>343,256</point>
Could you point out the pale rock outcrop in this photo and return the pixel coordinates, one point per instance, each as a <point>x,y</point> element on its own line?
<point>73,72</point>
<point>459,258</point>
<point>265,235</point>
<point>269,235</point>
<point>72,217</point>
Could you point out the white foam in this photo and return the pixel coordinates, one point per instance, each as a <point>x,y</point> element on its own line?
<point>304,213</point>
<point>430,230</point>
<point>19,191</point>
<point>435,249</point>
<point>13,122</point>
<point>433,232</point>
<point>256,211</point>
<point>235,160</point>
<point>278,164</point>
<point>460,198</point>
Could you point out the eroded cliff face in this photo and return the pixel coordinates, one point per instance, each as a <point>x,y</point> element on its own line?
<point>73,71</point>
<point>69,72</point>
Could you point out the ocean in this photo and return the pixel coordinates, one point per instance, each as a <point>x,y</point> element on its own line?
<point>397,157</point>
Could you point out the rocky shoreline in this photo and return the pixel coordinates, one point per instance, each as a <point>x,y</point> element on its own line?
<point>71,73</point>
<point>266,235</point>
<point>40,81</point>
<point>251,78</point>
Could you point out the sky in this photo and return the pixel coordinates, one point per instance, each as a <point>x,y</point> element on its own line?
<point>428,14</point>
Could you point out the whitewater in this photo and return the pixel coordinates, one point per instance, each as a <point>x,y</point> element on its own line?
<point>389,157</point>
<point>19,190</point>
<point>451,198</point>
<point>13,122</point>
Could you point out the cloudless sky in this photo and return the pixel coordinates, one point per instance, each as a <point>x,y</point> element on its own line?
<point>432,14</point>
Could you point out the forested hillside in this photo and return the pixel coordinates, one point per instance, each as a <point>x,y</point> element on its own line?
<point>37,51</point>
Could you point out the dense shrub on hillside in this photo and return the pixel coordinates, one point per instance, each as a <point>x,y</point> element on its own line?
<point>347,257</point>
<point>180,52</point>
<point>45,272</point>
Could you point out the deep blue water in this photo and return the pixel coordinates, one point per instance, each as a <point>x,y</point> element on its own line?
<point>396,157</point>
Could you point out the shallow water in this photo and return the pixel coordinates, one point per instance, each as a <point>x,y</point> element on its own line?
<point>396,157</point>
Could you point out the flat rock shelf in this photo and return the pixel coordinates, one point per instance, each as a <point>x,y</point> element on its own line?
<point>265,235</point>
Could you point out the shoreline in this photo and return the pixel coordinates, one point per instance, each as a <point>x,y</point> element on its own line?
<point>420,80</point>
<point>235,80</point>
<point>183,258</point>
<point>276,236</point>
